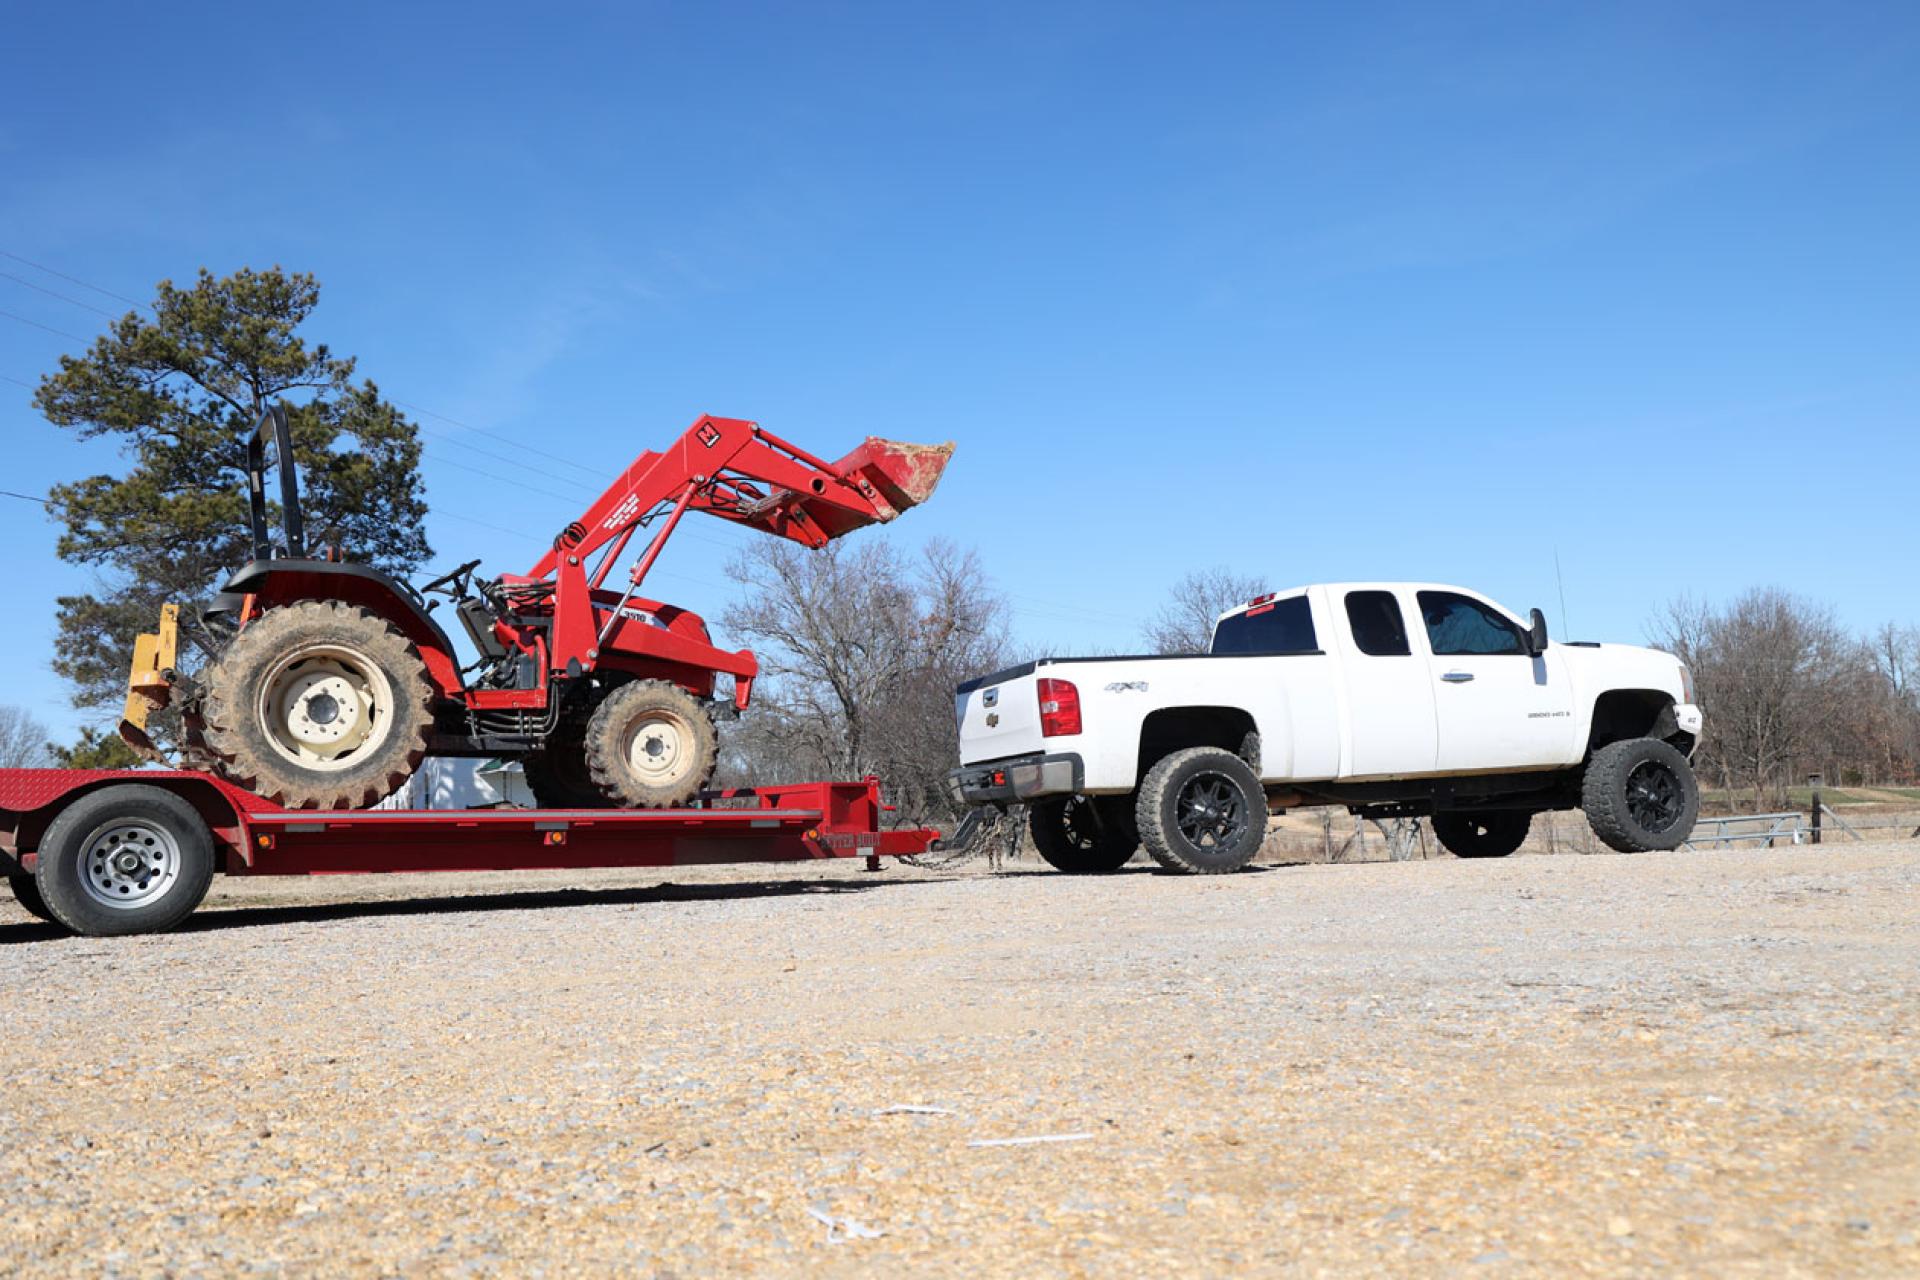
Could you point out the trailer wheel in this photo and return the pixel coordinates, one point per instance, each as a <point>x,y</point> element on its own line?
<point>1084,835</point>
<point>651,745</point>
<point>26,892</point>
<point>1202,811</point>
<point>1640,795</point>
<point>1482,835</point>
<point>125,859</point>
<point>318,705</point>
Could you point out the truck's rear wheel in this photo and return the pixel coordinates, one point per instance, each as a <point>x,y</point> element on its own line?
<point>1482,835</point>
<point>1640,795</point>
<point>1202,811</point>
<point>317,705</point>
<point>651,745</point>
<point>1084,835</point>
<point>125,859</point>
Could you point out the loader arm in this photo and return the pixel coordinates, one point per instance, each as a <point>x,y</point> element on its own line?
<point>739,472</point>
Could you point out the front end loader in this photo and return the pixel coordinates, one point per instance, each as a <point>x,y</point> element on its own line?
<point>339,677</point>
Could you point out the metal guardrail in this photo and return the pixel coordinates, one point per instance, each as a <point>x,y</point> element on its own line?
<point>1770,827</point>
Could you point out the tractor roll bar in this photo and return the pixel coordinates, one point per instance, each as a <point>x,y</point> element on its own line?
<point>273,419</point>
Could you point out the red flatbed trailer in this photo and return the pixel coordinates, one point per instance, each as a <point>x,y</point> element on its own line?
<point>100,852</point>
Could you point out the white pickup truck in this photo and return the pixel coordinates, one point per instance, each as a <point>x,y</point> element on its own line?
<point>1393,699</point>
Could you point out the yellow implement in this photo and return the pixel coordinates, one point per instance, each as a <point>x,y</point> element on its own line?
<point>150,684</point>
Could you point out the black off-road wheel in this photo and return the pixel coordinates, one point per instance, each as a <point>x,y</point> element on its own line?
<point>125,859</point>
<point>26,892</point>
<point>1201,811</point>
<point>1640,795</point>
<point>317,705</point>
<point>1084,835</point>
<point>651,745</point>
<point>1482,835</point>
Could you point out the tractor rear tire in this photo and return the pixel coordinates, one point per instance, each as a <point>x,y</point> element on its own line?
<point>651,745</point>
<point>1084,835</point>
<point>317,705</point>
<point>1482,835</point>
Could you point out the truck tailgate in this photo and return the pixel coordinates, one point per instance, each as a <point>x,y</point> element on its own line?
<point>999,716</point>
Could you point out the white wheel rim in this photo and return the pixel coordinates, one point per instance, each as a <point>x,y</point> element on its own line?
<point>129,864</point>
<point>659,748</point>
<point>326,707</point>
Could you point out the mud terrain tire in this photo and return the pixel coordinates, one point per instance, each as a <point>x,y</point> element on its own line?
<point>1482,835</point>
<point>1084,835</point>
<point>1640,795</point>
<point>651,745</point>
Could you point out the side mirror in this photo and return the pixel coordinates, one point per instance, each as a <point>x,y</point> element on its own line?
<point>1537,635</point>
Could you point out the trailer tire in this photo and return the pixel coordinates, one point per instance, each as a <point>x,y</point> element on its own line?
<point>26,892</point>
<point>1482,835</point>
<point>1640,795</point>
<point>651,745</point>
<point>317,705</point>
<point>125,859</point>
<point>1201,811</point>
<point>1084,835</point>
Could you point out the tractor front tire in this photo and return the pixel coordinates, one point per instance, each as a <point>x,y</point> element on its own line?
<point>1084,835</point>
<point>651,745</point>
<point>317,705</point>
<point>1482,835</point>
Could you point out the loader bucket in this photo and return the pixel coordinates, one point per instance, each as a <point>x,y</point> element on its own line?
<point>150,683</point>
<point>890,475</point>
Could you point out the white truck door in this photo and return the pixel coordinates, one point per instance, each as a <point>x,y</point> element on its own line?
<point>1497,707</point>
<point>1389,728</point>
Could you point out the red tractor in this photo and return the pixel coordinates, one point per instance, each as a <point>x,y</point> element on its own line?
<point>339,679</point>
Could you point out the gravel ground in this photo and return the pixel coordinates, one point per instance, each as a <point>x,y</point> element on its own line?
<point>1694,1062</point>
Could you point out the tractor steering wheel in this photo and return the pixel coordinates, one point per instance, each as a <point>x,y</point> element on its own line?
<point>457,578</point>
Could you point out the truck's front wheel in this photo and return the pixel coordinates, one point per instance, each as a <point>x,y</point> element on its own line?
<point>1202,811</point>
<point>1083,835</point>
<point>1640,795</point>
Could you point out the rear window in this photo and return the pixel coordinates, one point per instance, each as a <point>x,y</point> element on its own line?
<point>1378,629</point>
<point>1284,626</point>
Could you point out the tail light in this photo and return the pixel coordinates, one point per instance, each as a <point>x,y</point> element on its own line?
<point>1059,708</point>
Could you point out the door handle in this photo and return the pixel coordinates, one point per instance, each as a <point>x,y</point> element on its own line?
<point>1457,677</point>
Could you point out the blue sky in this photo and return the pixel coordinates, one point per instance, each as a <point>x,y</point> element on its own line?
<point>1310,291</point>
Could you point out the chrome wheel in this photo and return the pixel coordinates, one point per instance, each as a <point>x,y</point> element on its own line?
<point>325,707</point>
<point>129,864</point>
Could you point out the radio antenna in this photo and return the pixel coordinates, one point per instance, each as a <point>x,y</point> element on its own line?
<point>1561,583</point>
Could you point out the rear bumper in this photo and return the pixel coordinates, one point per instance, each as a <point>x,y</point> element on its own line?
<point>1019,779</point>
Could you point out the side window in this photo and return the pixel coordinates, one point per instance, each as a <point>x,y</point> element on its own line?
<point>1378,628</point>
<point>1279,626</point>
<point>1457,626</point>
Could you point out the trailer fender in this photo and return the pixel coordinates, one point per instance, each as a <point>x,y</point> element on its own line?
<point>30,799</point>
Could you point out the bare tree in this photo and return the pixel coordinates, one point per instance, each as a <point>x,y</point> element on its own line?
<point>1184,623</point>
<point>1785,688</point>
<point>23,740</point>
<point>860,649</point>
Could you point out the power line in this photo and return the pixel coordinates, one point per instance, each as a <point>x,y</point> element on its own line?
<point>27,497</point>
<point>49,328</point>
<point>99,311</point>
<point>118,297</point>
<point>494,435</point>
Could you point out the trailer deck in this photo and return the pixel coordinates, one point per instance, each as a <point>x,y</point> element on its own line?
<point>254,837</point>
